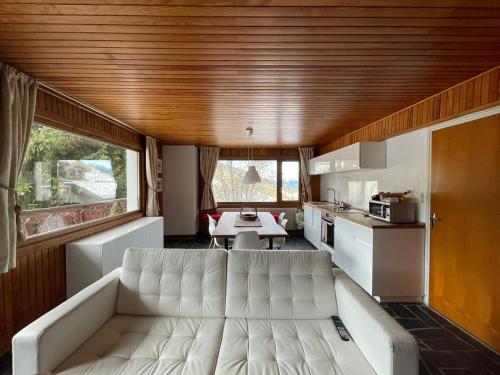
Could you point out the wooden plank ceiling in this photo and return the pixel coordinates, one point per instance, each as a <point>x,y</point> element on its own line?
<point>195,72</point>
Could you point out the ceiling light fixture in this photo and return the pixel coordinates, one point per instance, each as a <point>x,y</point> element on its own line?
<point>252,176</point>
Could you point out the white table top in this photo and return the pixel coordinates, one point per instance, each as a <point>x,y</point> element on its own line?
<point>226,229</point>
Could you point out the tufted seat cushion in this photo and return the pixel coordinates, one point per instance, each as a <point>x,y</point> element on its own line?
<point>301,347</point>
<point>173,282</point>
<point>149,345</point>
<point>280,285</point>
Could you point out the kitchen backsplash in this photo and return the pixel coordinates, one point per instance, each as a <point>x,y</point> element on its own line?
<point>407,166</point>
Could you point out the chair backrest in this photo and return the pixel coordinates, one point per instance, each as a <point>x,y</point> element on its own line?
<point>247,241</point>
<point>212,223</point>
<point>280,285</point>
<point>281,217</point>
<point>283,223</point>
<point>173,282</point>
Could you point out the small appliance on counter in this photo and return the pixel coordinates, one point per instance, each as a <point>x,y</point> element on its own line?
<point>392,207</point>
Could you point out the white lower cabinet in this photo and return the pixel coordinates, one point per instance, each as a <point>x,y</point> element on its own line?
<point>387,263</point>
<point>312,225</point>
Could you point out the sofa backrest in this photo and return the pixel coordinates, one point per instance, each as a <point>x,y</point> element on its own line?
<point>280,285</point>
<point>173,282</point>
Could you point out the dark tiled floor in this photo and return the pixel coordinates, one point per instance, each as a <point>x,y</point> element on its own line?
<point>444,348</point>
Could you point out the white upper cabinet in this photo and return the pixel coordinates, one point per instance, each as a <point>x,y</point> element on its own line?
<point>362,155</point>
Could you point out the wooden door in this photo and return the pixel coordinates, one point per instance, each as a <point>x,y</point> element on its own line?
<point>465,242</point>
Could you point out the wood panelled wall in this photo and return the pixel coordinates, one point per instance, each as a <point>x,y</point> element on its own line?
<point>63,112</point>
<point>477,93</point>
<point>31,289</point>
<point>38,283</point>
<point>259,153</point>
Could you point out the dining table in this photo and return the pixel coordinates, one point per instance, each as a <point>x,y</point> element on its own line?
<point>227,227</point>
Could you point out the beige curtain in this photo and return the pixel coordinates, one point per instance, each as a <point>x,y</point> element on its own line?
<point>152,206</point>
<point>306,153</point>
<point>17,109</point>
<point>209,156</point>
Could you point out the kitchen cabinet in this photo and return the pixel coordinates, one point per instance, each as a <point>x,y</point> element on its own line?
<point>361,155</point>
<point>312,225</point>
<point>388,263</point>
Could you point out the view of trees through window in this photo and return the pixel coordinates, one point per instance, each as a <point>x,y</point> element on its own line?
<point>62,169</point>
<point>228,181</point>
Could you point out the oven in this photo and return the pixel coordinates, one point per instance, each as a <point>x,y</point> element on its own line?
<point>327,229</point>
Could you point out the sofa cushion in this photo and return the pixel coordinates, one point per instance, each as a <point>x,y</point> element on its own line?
<point>129,344</point>
<point>173,282</point>
<point>253,346</point>
<point>280,285</point>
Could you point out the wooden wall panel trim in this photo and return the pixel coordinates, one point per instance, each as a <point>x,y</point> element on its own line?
<point>259,153</point>
<point>62,112</point>
<point>35,286</point>
<point>479,92</point>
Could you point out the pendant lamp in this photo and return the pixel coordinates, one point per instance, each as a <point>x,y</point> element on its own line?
<point>252,176</point>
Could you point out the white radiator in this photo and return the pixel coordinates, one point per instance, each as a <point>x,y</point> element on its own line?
<point>90,258</point>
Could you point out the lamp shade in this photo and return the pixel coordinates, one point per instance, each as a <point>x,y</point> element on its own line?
<point>252,176</point>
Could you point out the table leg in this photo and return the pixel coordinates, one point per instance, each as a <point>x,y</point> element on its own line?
<point>226,243</point>
<point>270,243</point>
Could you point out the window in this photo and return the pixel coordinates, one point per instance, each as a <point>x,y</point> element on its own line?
<point>290,181</point>
<point>68,179</point>
<point>280,182</point>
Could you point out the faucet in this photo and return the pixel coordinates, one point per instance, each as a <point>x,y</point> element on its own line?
<point>334,195</point>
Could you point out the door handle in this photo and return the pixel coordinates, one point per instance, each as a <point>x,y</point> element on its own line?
<point>434,220</point>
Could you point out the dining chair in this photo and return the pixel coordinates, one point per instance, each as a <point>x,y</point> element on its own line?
<point>212,223</point>
<point>281,217</point>
<point>279,242</point>
<point>247,241</point>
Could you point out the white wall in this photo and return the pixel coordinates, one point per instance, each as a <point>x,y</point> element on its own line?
<point>180,190</point>
<point>407,165</point>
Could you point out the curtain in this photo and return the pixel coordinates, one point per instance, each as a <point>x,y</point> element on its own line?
<point>306,153</point>
<point>17,109</point>
<point>209,156</point>
<point>152,206</point>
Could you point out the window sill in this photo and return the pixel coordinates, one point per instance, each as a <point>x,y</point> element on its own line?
<point>77,231</point>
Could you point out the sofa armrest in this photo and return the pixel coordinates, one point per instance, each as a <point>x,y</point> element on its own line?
<point>388,347</point>
<point>48,341</point>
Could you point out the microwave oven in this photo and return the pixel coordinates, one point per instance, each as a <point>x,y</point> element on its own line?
<point>392,212</point>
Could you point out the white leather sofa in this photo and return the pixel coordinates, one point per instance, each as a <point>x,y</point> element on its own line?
<point>212,312</point>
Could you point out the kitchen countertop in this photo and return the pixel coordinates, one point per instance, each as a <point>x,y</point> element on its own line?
<point>358,217</point>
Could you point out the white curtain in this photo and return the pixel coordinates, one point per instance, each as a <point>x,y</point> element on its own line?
<point>152,206</point>
<point>17,109</point>
<point>306,153</point>
<point>209,156</point>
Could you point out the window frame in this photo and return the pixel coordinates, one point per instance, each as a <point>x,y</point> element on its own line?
<point>279,202</point>
<point>90,225</point>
